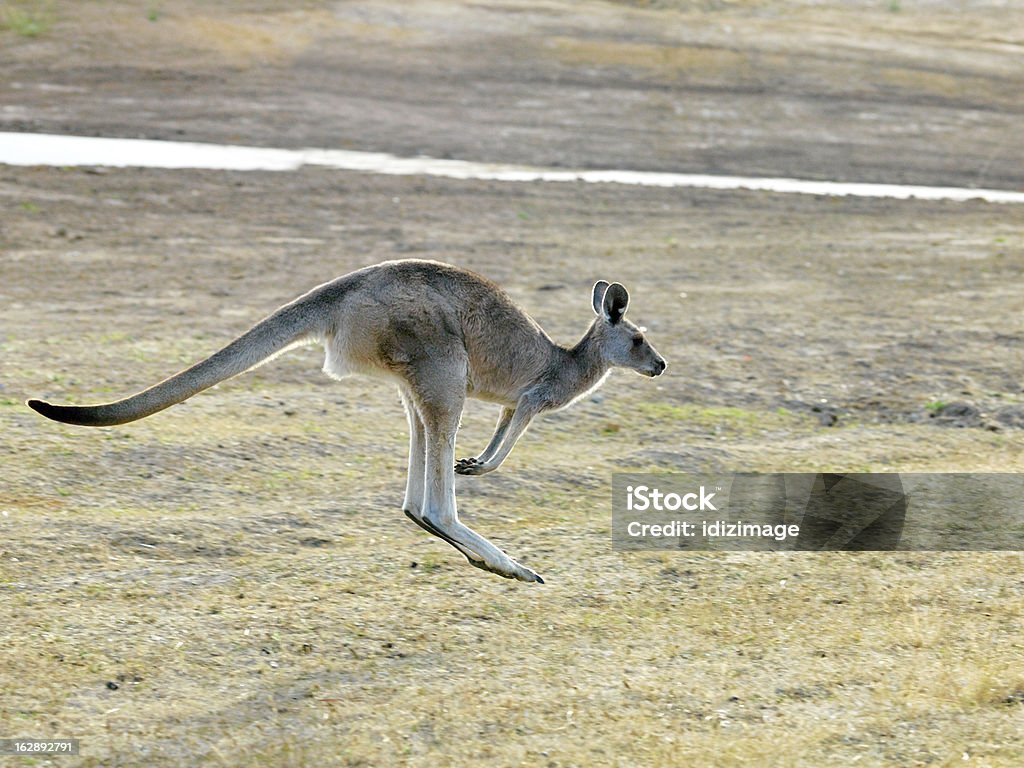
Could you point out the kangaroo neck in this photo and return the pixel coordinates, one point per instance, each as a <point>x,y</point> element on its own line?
<point>578,370</point>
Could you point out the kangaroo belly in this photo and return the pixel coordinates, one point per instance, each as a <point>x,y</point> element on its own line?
<point>483,384</point>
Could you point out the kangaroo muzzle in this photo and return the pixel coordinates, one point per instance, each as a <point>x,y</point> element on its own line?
<point>656,369</point>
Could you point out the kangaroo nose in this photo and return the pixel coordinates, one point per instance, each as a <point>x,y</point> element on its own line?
<point>659,367</point>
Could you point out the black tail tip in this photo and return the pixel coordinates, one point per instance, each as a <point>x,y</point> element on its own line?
<point>39,406</point>
<point>81,415</point>
<point>45,409</point>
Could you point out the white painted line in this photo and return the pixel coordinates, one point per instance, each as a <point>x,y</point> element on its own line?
<point>55,150</point>
<point>60,151</point>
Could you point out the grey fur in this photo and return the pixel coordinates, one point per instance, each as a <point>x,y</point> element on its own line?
<point>442,334</point>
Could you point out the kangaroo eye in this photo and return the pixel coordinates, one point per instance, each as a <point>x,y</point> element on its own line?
<point>638,340</point>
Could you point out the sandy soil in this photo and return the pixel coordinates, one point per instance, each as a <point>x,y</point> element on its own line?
<point>232,581</point>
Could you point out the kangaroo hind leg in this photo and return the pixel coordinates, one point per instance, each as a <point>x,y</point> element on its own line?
<point>440,411</point>
<point>413,504</point>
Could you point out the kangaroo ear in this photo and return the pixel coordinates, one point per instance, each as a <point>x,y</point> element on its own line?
<point>599,288</point>
<point>616,299</point>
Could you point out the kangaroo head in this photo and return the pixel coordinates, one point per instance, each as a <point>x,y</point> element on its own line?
<point>622,344</point>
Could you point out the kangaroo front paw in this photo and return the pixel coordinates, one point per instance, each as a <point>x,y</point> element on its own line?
<point>469,466</point>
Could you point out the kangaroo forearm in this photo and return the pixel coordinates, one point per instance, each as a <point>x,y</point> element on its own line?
<point>500,430</point>
<point>516,427</point>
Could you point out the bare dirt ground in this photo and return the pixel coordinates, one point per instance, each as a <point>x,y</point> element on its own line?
<point>232,581</point>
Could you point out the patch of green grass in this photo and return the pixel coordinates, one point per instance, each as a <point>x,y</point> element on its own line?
<point>936,405</point>
<point>430,563</point>
<point>722,418</point>
<point>29,18</point>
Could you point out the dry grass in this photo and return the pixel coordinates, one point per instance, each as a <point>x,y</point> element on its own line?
<point>239,568</point>
<point>220,35</point>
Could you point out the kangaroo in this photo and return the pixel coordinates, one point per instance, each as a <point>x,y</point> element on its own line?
<point>442,334</point>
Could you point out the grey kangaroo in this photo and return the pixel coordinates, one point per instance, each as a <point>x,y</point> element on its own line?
<point>443,334</point>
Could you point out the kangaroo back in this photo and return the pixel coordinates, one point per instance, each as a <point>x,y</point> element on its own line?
<point>289,326</point>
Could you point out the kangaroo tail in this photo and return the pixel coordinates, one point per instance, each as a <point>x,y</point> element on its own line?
<point>291,325</point>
